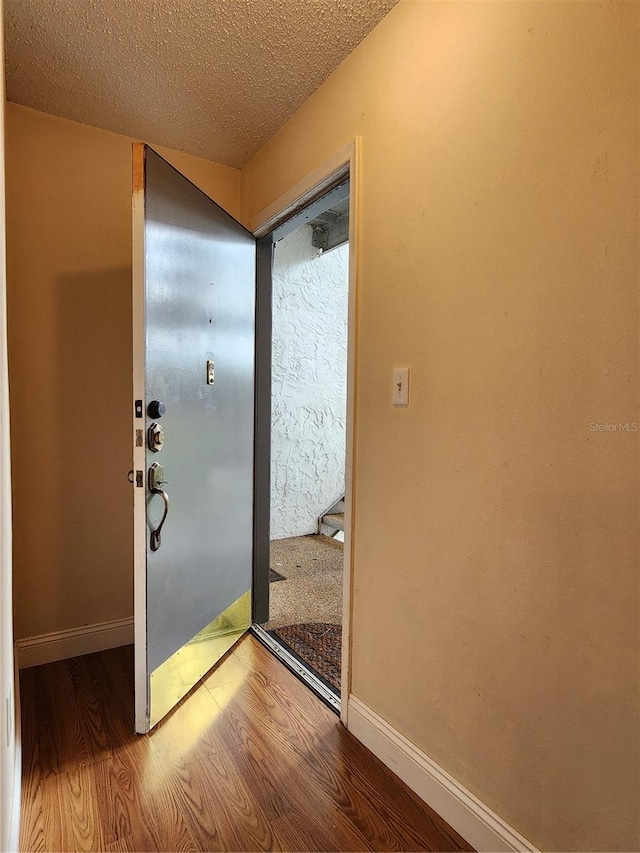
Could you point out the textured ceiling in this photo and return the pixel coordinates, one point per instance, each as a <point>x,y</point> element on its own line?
<point>215,78</point>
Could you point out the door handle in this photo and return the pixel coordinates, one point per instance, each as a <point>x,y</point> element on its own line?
<point>155,534</point>
<point>156,479</point>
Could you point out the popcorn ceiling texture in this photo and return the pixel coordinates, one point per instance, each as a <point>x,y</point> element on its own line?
<point>310,295</point>
<point>214,78</point>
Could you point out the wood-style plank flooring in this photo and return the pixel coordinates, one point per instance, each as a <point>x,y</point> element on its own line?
<point>250,760</point>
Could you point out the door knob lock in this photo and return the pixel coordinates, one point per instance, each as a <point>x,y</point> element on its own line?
<point>155,437</point>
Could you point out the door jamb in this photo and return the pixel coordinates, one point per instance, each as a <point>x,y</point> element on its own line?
<point>345,162</point>
<point>262,432</point>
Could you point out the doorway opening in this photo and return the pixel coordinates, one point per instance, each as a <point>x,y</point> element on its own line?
<point>309,313</point>
<point>203,342</point>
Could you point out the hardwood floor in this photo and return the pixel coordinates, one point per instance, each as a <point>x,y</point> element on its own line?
<point>250,760</point>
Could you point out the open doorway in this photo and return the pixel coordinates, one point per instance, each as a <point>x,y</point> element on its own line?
<point>308,428</point>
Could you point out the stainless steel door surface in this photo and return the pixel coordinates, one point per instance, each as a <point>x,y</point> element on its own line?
<point>198,279</point>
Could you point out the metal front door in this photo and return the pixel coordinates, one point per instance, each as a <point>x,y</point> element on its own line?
<point>193,331</point>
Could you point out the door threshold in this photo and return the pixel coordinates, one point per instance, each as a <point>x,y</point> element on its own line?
<point>298,668</point>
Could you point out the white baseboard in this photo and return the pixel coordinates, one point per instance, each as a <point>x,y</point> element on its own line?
<point>471,818</point>
<point>46,648</point>
<point>14,825</point>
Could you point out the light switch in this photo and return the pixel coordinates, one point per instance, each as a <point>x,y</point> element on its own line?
<point>401,386</point>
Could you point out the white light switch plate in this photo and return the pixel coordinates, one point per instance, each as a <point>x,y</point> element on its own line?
<point>401,386</point>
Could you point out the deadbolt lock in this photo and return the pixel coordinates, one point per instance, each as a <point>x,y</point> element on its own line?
<point>156,409</point>
<point>155,437</point>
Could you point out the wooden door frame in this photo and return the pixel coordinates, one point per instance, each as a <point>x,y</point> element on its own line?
<point>344,163</point>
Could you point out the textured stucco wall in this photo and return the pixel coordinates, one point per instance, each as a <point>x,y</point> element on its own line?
<point>309,382</point>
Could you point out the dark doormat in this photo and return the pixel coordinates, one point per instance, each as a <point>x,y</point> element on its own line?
<point>275,576</point>
<point>318,645</point>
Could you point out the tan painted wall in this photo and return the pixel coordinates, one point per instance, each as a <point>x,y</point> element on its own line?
<point>495,613</point>
<point>9,779</point>
<point>69,301</point>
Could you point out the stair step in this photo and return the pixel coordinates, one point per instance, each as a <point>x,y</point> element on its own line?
<point>331,522</point>
<point>334,519</point>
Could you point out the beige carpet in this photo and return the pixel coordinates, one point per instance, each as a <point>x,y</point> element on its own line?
<point>312,591</point>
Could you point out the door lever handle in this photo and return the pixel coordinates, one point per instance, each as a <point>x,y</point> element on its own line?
<point>155,534</point>
<point>156,479</point>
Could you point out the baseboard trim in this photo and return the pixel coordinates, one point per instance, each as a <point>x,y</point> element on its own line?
<point>59,645</point>
<point>477,823</point>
